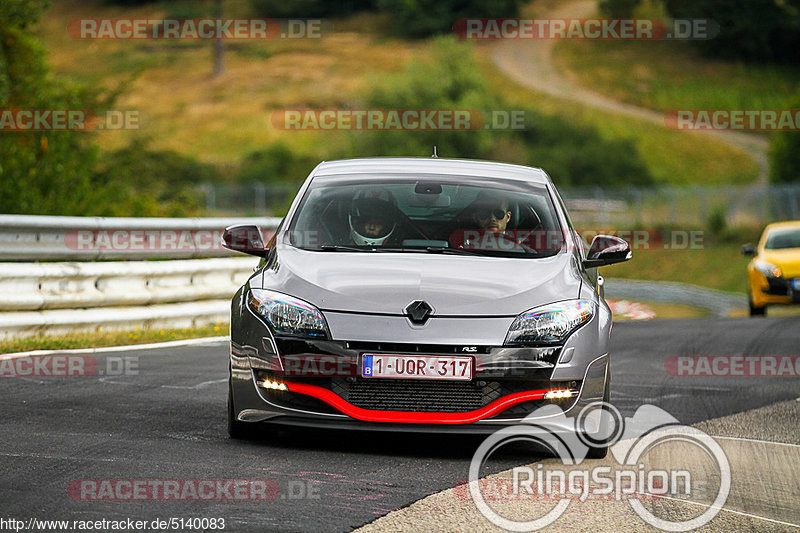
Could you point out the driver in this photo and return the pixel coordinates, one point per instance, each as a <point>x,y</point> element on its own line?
<point>373,217</point>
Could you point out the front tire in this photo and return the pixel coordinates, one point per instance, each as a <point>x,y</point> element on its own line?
<point>755,310</point>
<point>601,451</point>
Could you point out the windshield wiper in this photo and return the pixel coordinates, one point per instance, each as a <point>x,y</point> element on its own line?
<point>448,250</point>
<point>398,249</point>
<point>339,248</point>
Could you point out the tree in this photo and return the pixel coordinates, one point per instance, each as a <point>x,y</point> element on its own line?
<point>784,153</point>
<point>750,30</point>
<point>40,172</point>
<point>420,18</point>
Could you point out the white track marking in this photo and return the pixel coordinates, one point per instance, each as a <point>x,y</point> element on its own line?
<point>198,386</point>
<point>130,347</point>
<point>756,440</point>
<point>721,509</point>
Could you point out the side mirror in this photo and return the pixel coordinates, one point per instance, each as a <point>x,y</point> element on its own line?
<point>244,238</point>
<point>607,250</point>
<point>748,250</point>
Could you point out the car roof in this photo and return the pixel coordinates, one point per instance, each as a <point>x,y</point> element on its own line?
<point>789,224</point>
<point>431,165</point>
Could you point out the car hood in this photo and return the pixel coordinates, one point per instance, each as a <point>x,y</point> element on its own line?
<point>788,260</point>
<point>454,285</point>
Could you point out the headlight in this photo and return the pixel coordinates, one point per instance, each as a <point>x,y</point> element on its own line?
<point>550,323</point>
<point>768,269</point>
<point>288,315</point>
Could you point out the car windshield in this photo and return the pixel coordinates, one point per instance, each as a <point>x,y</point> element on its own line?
<point>783,238</point>
<point>433,214</point>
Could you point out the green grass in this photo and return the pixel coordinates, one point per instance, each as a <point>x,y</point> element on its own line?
<point>666,311</point>
<point>221,120</point>
<point>673,157</point>
<point>666,75</point>
<point>719,267</point>
<point>101,337</point>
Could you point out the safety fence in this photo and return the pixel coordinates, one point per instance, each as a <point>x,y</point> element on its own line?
<point>627,206</point>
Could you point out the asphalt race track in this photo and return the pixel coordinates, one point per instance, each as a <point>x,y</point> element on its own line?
<point>165,420</point>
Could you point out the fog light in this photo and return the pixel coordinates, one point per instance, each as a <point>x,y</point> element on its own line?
<point>272,384</point>
<point>560,394</point>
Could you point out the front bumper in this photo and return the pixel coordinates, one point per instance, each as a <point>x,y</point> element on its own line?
<point>771,290</point>
<point>506,387</point>
<point>317,383</point>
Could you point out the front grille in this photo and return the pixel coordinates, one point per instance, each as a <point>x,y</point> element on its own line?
<point>417,395</point>
<point>400,347</point>
<point>778,286</point>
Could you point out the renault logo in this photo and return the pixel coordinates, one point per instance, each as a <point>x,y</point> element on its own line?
<point>418,312</point>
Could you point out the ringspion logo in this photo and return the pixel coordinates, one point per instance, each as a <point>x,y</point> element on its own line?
<point>631,477</point>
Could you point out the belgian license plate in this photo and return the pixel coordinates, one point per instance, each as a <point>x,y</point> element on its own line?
<point>796,284</point>
<point>416,366</point>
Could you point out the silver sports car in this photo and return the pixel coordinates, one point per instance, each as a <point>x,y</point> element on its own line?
<point>420,295</point>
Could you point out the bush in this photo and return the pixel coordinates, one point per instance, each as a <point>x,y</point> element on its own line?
<point>420,18</point>
<point>136,181</point>
<point>275,164</point>
<point>750,30</point>
<point>446,79</point>
<point>784,152</point>
<point>579,156</point>
<point>618,8</point>
<point>450,79</point>
<point>308,8</point>
<point>40,172</point>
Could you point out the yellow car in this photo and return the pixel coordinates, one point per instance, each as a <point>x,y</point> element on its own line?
<point>773,276</point>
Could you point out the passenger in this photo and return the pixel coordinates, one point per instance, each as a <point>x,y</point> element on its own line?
<point>490,212</point>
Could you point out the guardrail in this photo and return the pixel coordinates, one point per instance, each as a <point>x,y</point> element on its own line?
<point>34,238</point>
<point>58,297</point>
<point>42,286</point>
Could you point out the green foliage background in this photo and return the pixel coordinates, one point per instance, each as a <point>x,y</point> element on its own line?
<point>40,172</point>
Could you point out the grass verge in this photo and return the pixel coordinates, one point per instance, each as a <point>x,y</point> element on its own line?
<point>719,267</point>
<point>673,157</point>
<point>220,120</point>
<point>667,311</point>
<point>671,74</point>
<point>99,338</point>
